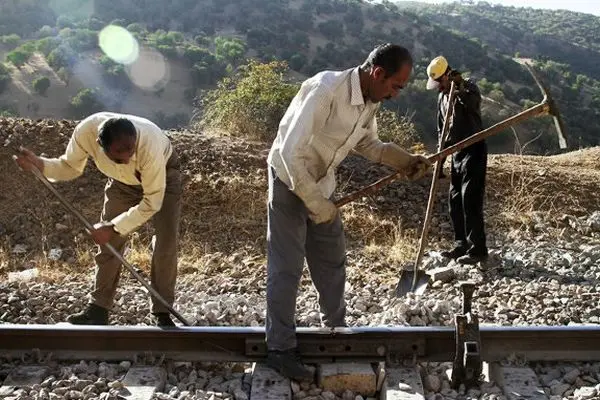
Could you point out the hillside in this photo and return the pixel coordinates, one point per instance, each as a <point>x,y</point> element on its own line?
<point>563,44</point>
<point>199,42</point>
<point>563,36</point>
<point>225,193</point>
<point>20,97</point>
<point>541,219</point>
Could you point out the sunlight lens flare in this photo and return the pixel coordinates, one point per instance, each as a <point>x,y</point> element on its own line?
<point>118,44</point>
<point>150,71</point>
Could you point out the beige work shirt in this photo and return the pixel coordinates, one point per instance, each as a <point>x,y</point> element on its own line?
<point>325,121</point>
<point>147,167</point>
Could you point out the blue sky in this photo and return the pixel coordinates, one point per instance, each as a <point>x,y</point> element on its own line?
<point>586,6</point>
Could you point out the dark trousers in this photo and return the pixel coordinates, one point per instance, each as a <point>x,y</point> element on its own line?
<point>467,189</point>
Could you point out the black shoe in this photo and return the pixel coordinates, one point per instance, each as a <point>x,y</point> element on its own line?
<point>472,259</point>
<point>455,253</point>
<point>92,315</point>
<point>164,319</point>
<point>288,364</point>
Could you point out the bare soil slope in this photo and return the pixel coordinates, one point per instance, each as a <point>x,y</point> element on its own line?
<point>21,97</point>
<point>224,216</point>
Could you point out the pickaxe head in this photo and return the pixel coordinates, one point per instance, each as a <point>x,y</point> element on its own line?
<point>551,109</point>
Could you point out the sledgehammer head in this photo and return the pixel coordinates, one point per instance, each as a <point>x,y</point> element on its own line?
<point>552,109</point>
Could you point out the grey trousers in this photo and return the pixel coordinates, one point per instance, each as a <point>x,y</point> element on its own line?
<point>292,236</point>
<point>118,198</point>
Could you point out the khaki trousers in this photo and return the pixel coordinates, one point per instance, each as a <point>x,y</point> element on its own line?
<point>119,198</point>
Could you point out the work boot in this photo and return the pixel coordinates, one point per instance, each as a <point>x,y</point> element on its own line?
<point>472,258</point>
<point>288,364</point>
<point>455,253</point>
<point>92,315</point>
<point>163,319</point>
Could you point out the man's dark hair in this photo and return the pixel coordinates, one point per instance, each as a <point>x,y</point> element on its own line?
<point>113,129</point>
<point>390,57</point>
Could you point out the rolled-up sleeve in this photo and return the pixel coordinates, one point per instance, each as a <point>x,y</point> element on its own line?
<point>154,180</point>
<point>71,164</point>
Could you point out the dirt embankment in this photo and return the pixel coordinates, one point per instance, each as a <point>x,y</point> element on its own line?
<point>225,195</point>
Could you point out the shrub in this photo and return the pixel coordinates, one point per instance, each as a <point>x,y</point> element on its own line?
<point>8,111</point>
<point>251,103</point>
<point>230,50</point>
<point>85,102</point>
<point>11,41</point>
<point>392,128</point>
<point>41,85</point>
<point>18,57</point>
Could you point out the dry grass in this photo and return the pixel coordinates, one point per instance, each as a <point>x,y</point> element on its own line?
<point>223,227</point>
<point>529,191</point>
<point>526,187</point>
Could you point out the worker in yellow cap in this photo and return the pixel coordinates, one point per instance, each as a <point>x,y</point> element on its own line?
<point>468,166</point>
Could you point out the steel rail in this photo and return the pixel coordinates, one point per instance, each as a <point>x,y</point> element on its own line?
<point>70,342</point>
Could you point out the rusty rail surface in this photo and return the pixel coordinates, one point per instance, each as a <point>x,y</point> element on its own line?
<point>69,342</point>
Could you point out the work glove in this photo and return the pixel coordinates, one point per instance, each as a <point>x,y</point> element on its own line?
<point>414,166</point>
<point>322,210</point>
<point>417,168</point>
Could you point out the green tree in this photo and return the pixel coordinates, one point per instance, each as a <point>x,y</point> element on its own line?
<point>41,85</point>
<point>46,31</point>
<point>83,40</point>
<point>251,103</point>
<point>47,44</point>
<point>297,61</point>
<point>85,102</point>
<point>7,112</point>
<point>136,27</point>
<point>161,38</point>
<point>64,21</point>
<point>10,41</point>
<point>201,74</point>
<point>18,57</point>
<point>175,37</point>
<point>62,56</point>
<point>194,54</point>
<point>202,40</point>
<point>230,50</point>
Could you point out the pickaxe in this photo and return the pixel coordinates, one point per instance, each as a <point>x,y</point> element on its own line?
<point>546,107</point>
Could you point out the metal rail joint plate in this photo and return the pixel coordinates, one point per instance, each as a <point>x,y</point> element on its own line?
<point>347,344</point>
<point>468,364</point>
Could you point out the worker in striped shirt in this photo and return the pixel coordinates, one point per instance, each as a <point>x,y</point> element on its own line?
<point>144,183</point>
<point>332,114</point>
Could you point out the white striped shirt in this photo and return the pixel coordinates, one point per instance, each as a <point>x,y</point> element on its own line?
<point>327,119</point>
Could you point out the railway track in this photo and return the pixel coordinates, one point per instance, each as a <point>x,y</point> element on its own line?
<point>385,351</point>
<point>246,344</point>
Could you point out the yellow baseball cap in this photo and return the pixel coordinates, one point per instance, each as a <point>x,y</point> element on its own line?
<point>437,68</point>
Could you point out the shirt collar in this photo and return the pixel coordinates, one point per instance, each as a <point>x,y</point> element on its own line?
<point>356,96</point>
